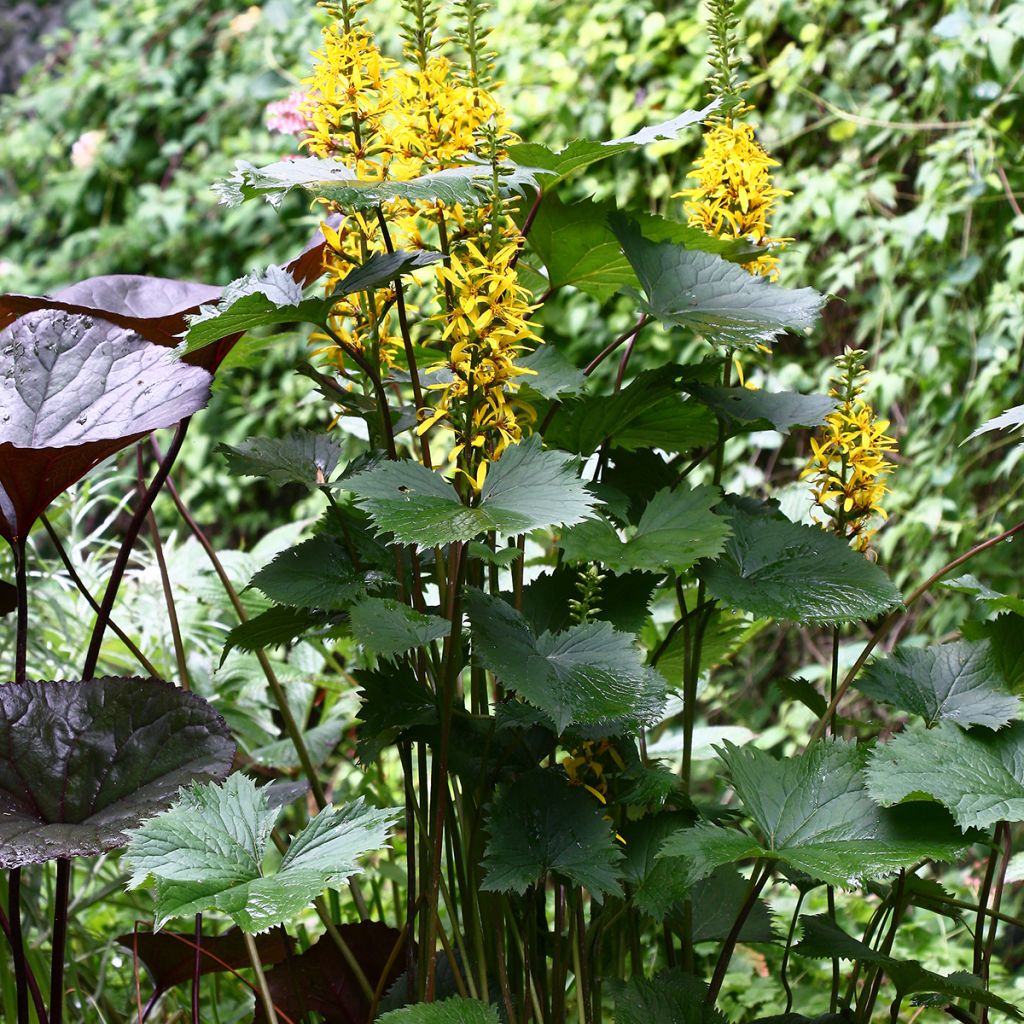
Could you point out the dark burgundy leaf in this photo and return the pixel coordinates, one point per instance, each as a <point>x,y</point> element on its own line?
<point>170,956</point>
<point>81,761</point>
<point>320,980</point>
<point>309,264</point>
<point>8,596</point>
<point>73,390</point>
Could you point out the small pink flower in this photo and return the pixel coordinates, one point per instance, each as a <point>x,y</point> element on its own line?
<point>286,117</point>
<point>86,148</point>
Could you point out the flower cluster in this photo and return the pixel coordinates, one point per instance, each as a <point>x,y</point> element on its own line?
<point>389,121</point>
<point>285,116</point>
<point>735,196</point>
<point>849,460</point>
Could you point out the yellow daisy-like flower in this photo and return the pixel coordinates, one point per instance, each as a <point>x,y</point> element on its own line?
<point>849,458</point>
<point>735,196</point>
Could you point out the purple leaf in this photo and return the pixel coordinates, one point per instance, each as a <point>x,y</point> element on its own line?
<point>73,390</point>
<point>82,761</point>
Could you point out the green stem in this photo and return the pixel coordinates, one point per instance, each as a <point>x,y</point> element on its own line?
<point>759,875</point>
<point>261,979</point>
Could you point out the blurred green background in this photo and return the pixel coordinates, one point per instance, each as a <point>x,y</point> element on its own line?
<point>898,127</point>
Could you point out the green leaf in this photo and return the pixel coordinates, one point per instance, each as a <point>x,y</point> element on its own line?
<point>82,761</point>
<point>580,154</point>
<point>656,884</point>
<point>275,626</point>
<point>992,598</point>
<point>1009,420</point>
<point>649,412</point>
<point>303,458</point>
<point>1005,637</point>
<point>823,939</point>
<point>622,601</point>
<point>958,682</point>
<point>455,1010</point>
<point>761,410</point>
<point>206,852</point>
<point>676,530</point>
<point>724,633</point>
<point>389,627</point>
<point>578,247</point>
<point>541,823</point>
<point>717,299</point>
<point>814,814</point>
<point>392,702</point>
<point>331,180</point>
<point>977,775</point>
<point>262,297</point>
<point>318,573</point>
<point>528,488</point>
<point>718,901</point>
<point>587,673</point>
<point>321,741</point>
<point>555,375</point>
<point>272,296</point>
<point>670,997</point>
<point>781,570</point>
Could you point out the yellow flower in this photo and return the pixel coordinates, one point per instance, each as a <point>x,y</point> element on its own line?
<point>849,458</point>
<point>735,196</point>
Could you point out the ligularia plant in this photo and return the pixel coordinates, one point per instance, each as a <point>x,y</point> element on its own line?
<point>536,576</point>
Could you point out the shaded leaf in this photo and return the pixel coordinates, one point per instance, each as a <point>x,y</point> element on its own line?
<point>305,458</point>
<point>588,673</point>
<point>73,390</point>
<point>623,601</point>
<point>649,411</point>
<point>676,530</point>
<point>8,595</point>
<point>206,852</point>
<point>388,627</point>
<point>321,741</point>
<point>719,300</point>
<point>318,573</point>
<point>320,979</point>
<point>781,570</point>
<point>541,823</point>
<point>81,762</point>
<point>957,682</point>
<point>392,702</point>
<point>278,625</point>
<point>170,956</point>
<point>814,813</point>
<point>761,410</point>
<point>528,488</point>
<point>823,939</point>
<point>670,997</point>
<point>977,775</point>
<point>455,1010</point>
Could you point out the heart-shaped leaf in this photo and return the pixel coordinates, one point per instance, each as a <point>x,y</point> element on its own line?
<point>73,390</point>
<point>82,761</point>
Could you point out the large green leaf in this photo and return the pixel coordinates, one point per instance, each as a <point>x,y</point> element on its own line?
<point>541,823</point>
<point>305,458</point>
<point>758,410</point>
<point>814,813</point>
<point>555,375</point>
<point>81,762</point>
<point>670,997</point>
<point>392,701</point>
<point>676,530</point>
<point>650,412</point>
<point>781,570</point>
<point>318,573</point>
<point>332,180</point>
<point>977,775</point>
<point>389,627</point>
<point>588,673</point>
<point>455,1010</point>
<point>275,626</point>
<point>824,939</point>
<point>581,153</point>
<point>717,299</point>
<point>959,682</point>
<point>528,488</point>
<point>578,247</point>
<point>207,851</point>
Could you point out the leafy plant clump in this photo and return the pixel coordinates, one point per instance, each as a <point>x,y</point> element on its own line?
<point>489,764</point>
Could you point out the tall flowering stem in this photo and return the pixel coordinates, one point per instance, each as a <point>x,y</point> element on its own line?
<point>850,458</point>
